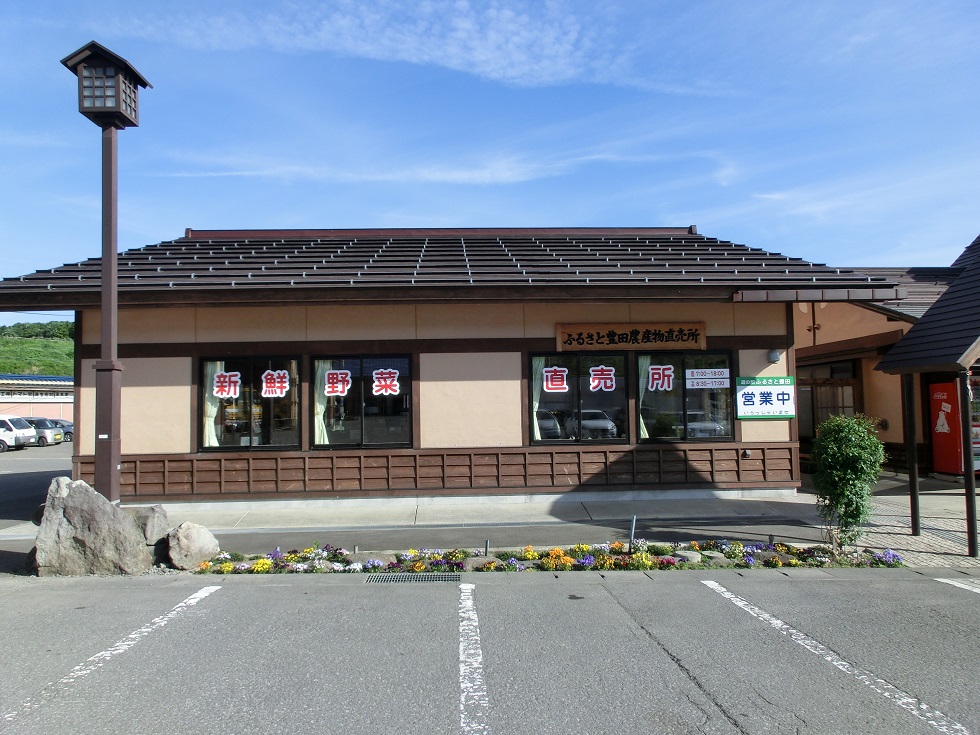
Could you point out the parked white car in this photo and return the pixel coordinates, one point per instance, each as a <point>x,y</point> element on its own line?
<point>15,433</point>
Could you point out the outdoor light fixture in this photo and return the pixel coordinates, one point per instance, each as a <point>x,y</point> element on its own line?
<point>108,95</point>
<point>108,86</point>
<point>772,356</point>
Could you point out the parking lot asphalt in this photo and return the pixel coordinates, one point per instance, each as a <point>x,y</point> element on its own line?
<point>513,521</point>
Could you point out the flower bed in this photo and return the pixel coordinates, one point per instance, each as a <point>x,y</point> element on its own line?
<point>640,555</point>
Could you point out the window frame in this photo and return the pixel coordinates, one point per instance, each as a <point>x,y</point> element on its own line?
<point>406,383</point>
<point>681,357</point>
<point>255,362</point>
<point>574,387</point>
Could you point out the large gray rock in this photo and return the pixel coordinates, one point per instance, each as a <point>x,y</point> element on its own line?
<point>190,544</point>
<point>81,532</point>
<point>152,522</point>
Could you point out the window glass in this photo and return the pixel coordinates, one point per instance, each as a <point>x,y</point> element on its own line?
<point>660,396</point>
<point>684,396</point>
<point>578,397</point>
<point>362,401</point>
<point>251,402</point>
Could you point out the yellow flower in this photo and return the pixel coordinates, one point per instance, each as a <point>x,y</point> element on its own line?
<point>225,568</point>
<point>417,566</point>
<point>556,553</point>
<point>694,546</point>
<point>529,553</point>
<point>261,566</point>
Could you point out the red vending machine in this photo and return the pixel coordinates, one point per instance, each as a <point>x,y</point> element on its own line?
<point>947,434</point>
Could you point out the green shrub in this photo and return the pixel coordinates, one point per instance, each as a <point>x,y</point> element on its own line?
<point>847,456</point>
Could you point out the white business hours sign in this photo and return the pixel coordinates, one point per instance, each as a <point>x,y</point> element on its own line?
<point>765,398</point>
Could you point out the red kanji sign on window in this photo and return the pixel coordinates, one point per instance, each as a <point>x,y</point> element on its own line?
<point>385,382</point>
<point>226,385</point>
<point>337,382</point>
<point>555,379</point>
<point>661,377</point>
<point>602,378</point>
<point>275,383</point>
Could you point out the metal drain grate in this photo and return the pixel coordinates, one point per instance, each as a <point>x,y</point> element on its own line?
<point>397,577</point>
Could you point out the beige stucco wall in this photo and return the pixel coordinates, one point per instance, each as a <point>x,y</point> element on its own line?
<point>156,403</point>
<point>437,321</point>
<point>755,363</point>
<point>470,399</point>
<point>85,410</point>
<point>838,321</point>
<point>883,400</point>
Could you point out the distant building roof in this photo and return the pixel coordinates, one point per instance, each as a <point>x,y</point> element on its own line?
<point>947,337</point>
<point>431,265</point>
<point>36,380</point>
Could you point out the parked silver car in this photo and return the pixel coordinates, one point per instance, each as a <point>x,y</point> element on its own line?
<point>594,425</point>
<point>67,427</point>
<point>47,432</point>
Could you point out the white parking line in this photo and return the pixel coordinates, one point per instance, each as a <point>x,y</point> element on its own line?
<point>474,703</point>
<point>102,658</point>
<point>972,586</point>
<point>909,703</point>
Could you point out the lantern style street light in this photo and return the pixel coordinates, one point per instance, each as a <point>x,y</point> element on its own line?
<point>108,95</point>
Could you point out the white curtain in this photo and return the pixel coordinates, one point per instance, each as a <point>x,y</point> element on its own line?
<point>537,383</point>
<point>211,402</point>
<point>643,364</point>
<point>320,403</point>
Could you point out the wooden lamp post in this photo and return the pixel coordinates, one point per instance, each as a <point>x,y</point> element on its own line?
<point>108,95</point>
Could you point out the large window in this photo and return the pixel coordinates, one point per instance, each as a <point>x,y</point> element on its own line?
<point>250,402</point>
<point>362,402</point>
<point>578,397</point>
<point>684,396</point>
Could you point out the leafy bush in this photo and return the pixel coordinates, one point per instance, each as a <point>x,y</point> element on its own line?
<point>847,455</point>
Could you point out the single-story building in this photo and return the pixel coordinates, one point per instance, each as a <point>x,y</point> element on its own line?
<point>50,396</point>
<point>838,346</point>
<point>387,362</point>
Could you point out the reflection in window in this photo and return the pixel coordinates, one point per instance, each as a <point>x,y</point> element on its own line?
<point>362,401</point>
<point>684,396</point>
<point>578,397</point>
<point>250,402</point>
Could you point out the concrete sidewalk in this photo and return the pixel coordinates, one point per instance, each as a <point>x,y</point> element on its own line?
<point>518,520</point>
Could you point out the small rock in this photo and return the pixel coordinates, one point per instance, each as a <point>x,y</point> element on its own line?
<point>692,557</point>
<point>190,544</point>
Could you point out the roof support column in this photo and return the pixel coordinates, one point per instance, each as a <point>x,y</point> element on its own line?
<point>108,370</point>
<point>970,480</point>
<point>911,453</point>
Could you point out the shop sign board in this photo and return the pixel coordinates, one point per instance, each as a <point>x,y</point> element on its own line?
<point>765,398</point>
<point>707,378</point>
<point>647,336</point>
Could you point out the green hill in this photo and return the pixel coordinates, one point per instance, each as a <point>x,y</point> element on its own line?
<point>38,349</point>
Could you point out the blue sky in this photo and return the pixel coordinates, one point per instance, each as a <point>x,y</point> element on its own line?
<point>839,132</point>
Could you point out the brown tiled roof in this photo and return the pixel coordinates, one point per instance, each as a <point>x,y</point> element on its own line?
<point>227,266</point>
<point>947,337</point>
<point>923,287</point>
